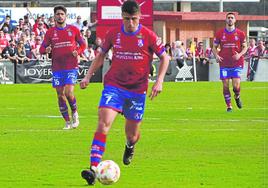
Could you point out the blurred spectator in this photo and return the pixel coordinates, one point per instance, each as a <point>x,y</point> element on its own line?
<point>7,24</point>
<point>35,49</point>
<point>91,25</point>
<point>259,50</point>
<point>78,23</point>
<point>109,56</point>
<point>189,51</point>
<point>20,25</point>
<point>17,32</point>
<point>3,41</point>
<point>169,53</point>
<point>35,25</point>
<point>254,61</point>
<point>173,47</point>
<point>168,50</point>
<point>10,52</point>
<point>250,55</point>
<point>32,39</point>
<point>6,33</point>
<point>51,21</point>
<point>209,54</point>
<point>90,39</point>
<point>27,46</point>
<point>41,29</point>
<point>179,54</point>
<point>265,55</point>
<point>83,32</point>
<point>98,44</point>
<point>27,23</point>
<point>21,53</point>
<point>200,54</point>
<point>88,54</point>
<point>85,25</point>
<point>43,19</point>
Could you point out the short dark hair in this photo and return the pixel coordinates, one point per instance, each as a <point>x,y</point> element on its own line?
<point>60,7</point>
<point>131,7</point>
<point>230,13</point>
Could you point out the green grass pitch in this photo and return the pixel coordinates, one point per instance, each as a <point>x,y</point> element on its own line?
<point>188,139</point>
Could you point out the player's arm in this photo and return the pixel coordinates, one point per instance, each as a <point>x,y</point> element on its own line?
<point>243,51</point>
<point>82,44</point>
<point>216,52</point>
<point>45,46</point>
<point>163,66</point>
<point>95,65</point>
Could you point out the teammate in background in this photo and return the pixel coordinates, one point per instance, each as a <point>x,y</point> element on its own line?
<point>126,82</point>
<point>62,40</point>
<point>233,46</point>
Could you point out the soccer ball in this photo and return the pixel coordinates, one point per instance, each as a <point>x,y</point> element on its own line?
<point>108,172</point>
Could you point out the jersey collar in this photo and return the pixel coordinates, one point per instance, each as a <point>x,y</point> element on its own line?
<point>132,33</point>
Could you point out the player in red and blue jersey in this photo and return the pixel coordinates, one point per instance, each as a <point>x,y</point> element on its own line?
<point>126,82</point>
<point>233,46</point>
<point>65,43</point>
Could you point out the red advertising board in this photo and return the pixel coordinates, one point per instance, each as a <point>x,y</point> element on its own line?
<point>109,14</point>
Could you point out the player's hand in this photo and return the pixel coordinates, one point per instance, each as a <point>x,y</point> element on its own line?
<point>219,59</point>
<point>75,53</point>
<point>84,83</point>
<point>48,49</point>
<point>236,56</point>
<point>156,89</point>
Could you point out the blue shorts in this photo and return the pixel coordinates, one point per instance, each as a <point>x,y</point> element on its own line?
<point>130,104</point>
<point>65,77</point>
<point>226,73</point>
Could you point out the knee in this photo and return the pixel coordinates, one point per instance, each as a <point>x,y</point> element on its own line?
<point>69,94</point>
<point>61,97</point>
<point>104,126</point>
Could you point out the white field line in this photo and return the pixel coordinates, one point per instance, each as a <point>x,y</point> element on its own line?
<point>213,120</point>
<point>143,130</point>
<point>39,116</point>
<point>147,118</point>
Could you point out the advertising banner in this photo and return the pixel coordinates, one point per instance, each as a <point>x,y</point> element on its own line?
<point>40,72</point>
<point>6,72</point>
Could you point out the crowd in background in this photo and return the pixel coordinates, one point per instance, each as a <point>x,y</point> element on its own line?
<point>178,52</point>
<point>21,43</point>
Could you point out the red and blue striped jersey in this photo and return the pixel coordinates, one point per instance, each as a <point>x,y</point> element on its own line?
<point>132,57</point>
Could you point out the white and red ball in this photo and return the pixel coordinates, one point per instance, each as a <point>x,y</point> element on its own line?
<point>107,172</point>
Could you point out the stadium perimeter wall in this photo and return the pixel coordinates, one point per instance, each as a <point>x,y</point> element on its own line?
<point>40,72</point>
<point>260,76</point>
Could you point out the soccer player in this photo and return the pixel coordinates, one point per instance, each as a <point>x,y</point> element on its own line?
<point>233,46</point>
<point>126,82</point>
<point>65,43</point>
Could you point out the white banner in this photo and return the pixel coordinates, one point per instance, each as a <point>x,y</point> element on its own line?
<point>17,13</point>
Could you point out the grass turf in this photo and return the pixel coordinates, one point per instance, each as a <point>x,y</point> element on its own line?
<point>188,139</point>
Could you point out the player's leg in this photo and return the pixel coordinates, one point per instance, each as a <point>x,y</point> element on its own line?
<point>106,118</point>
<point>133,111</point>
<point>69,93</point>
<point>58,84</point>
<point>110,104</point>
<point>227,94</point>
<point>63,106</point>
<point>132,137</point>
<point>225,75</point>
<point>236,89</point>
<point>70,79</point>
